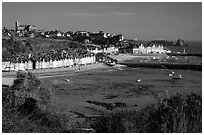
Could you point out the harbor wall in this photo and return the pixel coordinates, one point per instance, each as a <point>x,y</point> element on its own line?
<point>165,65</point>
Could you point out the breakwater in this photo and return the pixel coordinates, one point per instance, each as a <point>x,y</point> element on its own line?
<point>164,65</point>
<point>184,54</point>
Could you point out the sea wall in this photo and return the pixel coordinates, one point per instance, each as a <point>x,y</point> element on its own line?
<point>164,65</point>
<point>184,54</point>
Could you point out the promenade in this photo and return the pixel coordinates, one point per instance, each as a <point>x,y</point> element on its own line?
<point>8,77</point>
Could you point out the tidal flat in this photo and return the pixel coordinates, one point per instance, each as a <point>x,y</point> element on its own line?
<point>110,89</point>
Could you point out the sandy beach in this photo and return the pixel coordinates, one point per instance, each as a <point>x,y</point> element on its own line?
<point>8,77</point>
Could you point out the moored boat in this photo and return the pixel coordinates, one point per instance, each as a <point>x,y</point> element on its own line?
<point>178,77</point>
<point>110,64</point>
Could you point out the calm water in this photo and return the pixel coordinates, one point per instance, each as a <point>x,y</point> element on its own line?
<point>193,47</point>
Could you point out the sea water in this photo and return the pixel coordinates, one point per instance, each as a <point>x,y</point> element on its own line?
<point>193,47</point>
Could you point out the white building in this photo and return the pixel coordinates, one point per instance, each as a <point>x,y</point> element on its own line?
<point>149,49</point>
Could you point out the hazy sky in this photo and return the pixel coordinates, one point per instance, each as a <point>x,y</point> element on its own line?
<point>146,21</point>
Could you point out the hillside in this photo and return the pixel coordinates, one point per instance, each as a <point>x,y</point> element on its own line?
<point>18,46</point>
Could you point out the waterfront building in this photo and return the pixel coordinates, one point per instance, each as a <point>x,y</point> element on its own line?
<point>46,63</point>
<point>71,61</point>
<point>22,67</point>
<point>25,65</point>
<point>37,65</point>
<point>16,66</point>
<point>30,65</point>
<point>54,63</point>
<point>50,63</point>
<point>43,64</point>
<point>5,65</point>
<point>65,62</point>
<point>149,49</point>
<point>12,66</point>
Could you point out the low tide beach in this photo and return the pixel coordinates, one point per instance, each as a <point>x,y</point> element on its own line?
<point>132,87</point>
<point>97,89</point>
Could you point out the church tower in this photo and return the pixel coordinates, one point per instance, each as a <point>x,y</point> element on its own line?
<point>16,26</point>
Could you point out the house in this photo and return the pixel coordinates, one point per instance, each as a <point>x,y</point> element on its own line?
<point>5,65</point>
<point>111,49</point>
<point>82,33</point>
<point>152,48</point>
<point>106,35</point>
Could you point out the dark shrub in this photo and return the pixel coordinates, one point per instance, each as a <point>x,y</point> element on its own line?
<point>22,108</point>
<point>109,124</point>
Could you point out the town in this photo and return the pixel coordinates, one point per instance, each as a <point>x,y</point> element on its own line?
<point>101,67</point>
<point>56,48</point>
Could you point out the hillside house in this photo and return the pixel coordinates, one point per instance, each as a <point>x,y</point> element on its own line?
<point>111,49</point>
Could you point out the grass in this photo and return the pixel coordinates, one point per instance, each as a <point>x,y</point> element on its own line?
<point>22,108</point>
<point>177,114</point>
<point>38,122</point>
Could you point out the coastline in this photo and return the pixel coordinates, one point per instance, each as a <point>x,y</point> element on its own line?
<point>123,57</point>
<point>159,61</point>
<point>8,77</point>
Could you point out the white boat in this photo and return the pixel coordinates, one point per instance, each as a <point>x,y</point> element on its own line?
<point>139,80</point>
<point>178,77</point>
<point>120,65</point>
<point>170,74</point>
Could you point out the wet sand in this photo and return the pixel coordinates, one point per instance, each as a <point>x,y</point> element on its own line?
<point>89,92</point>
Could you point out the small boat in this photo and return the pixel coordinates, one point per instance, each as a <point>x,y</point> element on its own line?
<point>139,80</point>
<point>170,74</point>
<point>178,77</point>
<point>120,69</point>
<point>120,65</point>
<point>110,64</point>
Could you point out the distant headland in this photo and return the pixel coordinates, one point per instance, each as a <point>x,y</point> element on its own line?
<point>179,42</point>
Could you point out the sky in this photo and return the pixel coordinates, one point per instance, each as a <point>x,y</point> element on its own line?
<point>144,21</point>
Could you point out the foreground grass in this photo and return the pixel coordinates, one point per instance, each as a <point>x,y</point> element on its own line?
<point>26,108</point>
<point>177,114</point>
<point>39,122</point>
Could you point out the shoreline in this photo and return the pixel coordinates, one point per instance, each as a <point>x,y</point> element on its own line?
<point>8,77</point>
<point>131,60</point>
<point>123,57</point>
<point>165,66</point>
